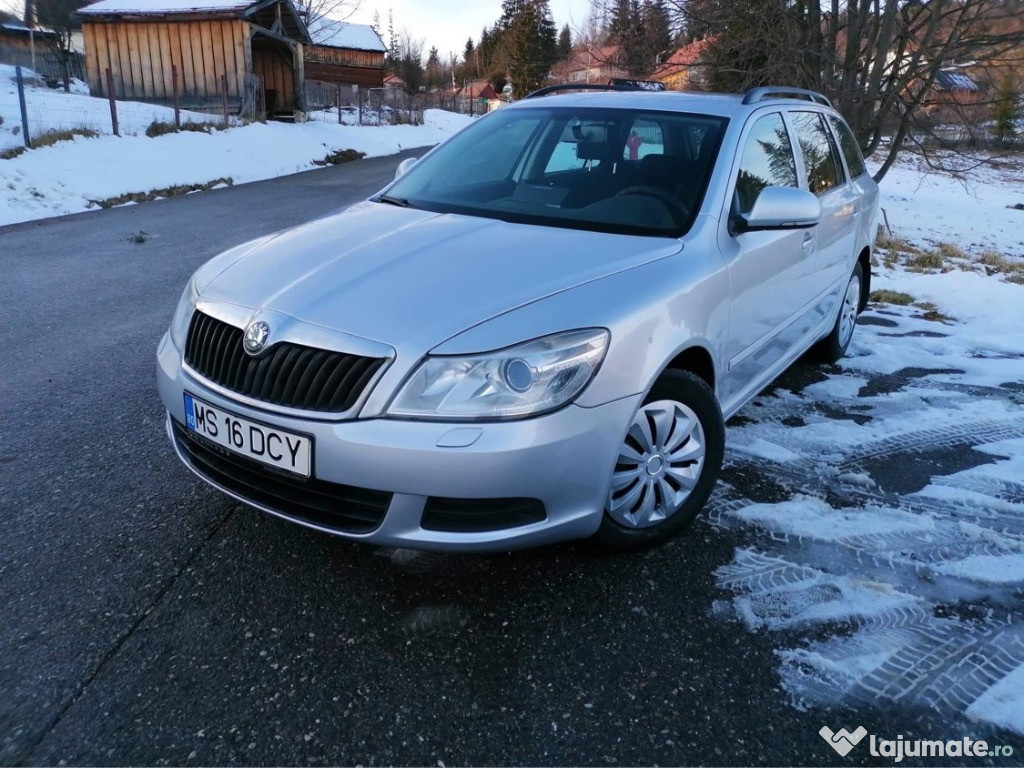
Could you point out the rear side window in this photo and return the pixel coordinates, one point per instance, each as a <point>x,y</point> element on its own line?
<point>645,138</point>
<point>851,149</point>
<point>820,162</point>
<point>767,161</point>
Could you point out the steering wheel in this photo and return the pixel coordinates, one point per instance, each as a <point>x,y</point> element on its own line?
<point>674,204</point>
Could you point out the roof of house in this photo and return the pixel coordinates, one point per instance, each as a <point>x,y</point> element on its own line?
<point>157,7</point>
<point>21,29</point>
<point>954,81</point>
<point>394,79</point>
<point>682,58</point>
<point>341,34</point>
<point>478,89</point>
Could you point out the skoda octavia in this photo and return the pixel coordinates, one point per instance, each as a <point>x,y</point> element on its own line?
<point>536,331</point>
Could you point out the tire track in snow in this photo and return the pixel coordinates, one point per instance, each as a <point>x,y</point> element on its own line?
<point>924,607</point>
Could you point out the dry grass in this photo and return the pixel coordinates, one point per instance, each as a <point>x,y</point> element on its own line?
<point>13,152</point>
<point>950,251</point>
<point>927,260</point>
<point>340,156</point>
<point>885,296</point>
<point>160,128</point>
<point>885,241</point>
<point>155,194</point>
<point>50,138</point>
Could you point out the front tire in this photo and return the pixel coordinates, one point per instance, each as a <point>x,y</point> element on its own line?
<point>833,347</point>
<point>668,463</point>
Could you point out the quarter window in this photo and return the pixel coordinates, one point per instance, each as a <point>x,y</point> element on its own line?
<point>851,149</point>
<point>767,161</point>
<point>820,162</point>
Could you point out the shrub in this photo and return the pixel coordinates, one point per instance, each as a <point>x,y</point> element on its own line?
<point>52,137</point>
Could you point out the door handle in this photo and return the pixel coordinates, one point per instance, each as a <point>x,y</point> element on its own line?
<point>808,244</point>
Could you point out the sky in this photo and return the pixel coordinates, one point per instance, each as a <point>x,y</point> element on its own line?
<point>447,23</point>
<point>444,23</point>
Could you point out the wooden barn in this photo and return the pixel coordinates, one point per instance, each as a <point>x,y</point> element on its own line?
<point>345,54</point>
<point>142,42</point>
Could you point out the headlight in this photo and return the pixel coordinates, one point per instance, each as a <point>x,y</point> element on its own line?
<point>183,314</point>
<point>523,380</point>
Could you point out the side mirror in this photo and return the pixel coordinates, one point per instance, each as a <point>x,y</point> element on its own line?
<point>405,165</point>
<point>778,208</point>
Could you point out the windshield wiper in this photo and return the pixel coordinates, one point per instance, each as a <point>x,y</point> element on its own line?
<point>401,202</point>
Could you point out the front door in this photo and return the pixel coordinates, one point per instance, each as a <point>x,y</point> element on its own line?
<point>772,274</point>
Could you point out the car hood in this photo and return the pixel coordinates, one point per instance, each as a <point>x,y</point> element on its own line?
<point>413,279</point>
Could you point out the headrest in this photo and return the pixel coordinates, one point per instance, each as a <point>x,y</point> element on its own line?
<point>593,150</point>
<point>662,168</point>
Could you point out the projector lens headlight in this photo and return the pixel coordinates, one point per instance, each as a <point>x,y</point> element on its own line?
<point>524,380</point>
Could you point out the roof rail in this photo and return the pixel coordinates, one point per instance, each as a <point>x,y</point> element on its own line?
<point>633,86</point>
<point>755,95</point>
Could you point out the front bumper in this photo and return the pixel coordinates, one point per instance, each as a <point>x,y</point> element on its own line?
<point>564,460</point>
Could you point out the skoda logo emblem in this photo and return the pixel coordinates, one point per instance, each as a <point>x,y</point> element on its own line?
<point>256,336</point>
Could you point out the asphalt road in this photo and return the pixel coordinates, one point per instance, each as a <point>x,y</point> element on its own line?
<point>147,619</point>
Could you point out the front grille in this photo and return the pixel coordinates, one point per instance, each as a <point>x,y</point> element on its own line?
<point>329,505</point>
<point>286,374</point>
<point>479,515</point>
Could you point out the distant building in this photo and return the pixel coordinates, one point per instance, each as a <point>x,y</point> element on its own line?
<point>590,64</point>
<point>343,53</point>
<point>685,69</point>
<point>252,50</point>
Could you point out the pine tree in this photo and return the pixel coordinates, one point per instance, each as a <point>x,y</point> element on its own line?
<point>626,29</point>
<point>376,22</point>
<point>527,44</point>
<point>658,37</point>
<point>564,43</point>
<point>433,69</point>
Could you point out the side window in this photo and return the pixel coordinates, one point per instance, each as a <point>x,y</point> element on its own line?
<point>645,138</point>
<point>767,161</point>
<point>820,162</point>
<point>851,149</point>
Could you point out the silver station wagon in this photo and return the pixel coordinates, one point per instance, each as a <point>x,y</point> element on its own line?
<point>536,332</point>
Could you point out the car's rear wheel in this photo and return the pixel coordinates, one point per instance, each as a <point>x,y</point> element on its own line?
<point>667,465</point>
<point>832,348</point>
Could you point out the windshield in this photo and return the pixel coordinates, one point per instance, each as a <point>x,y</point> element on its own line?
<point>611,170</point>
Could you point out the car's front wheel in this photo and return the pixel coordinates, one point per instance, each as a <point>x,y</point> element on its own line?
<point>667,465</point>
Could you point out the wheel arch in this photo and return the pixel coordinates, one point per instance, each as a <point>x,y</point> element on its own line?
<point>698,360</point>
<point>864,259</point>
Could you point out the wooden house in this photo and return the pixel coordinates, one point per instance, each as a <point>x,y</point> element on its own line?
<point>209,43</point>
<point>344,54</point>
<point>17,36</point>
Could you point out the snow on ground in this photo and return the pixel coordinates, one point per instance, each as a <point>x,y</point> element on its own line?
<point>887,552</point>
<point>51,109</point>
<point>69,176</point>
<point>927,206</point>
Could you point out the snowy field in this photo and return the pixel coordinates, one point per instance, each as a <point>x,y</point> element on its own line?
<point>883,587</point>
<point>72,176</point>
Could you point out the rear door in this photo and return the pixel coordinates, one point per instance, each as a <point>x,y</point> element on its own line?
<point>824,175</point>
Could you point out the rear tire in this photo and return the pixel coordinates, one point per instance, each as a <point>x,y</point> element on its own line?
<point>833,347</point>
<point>668,463</point>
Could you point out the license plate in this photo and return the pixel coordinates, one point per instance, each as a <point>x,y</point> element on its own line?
<point>268,445</point>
